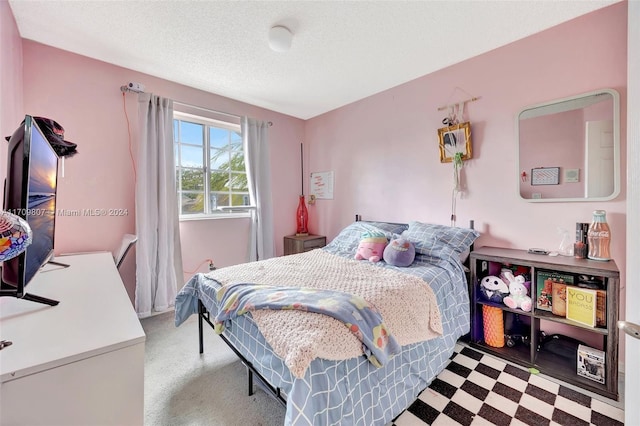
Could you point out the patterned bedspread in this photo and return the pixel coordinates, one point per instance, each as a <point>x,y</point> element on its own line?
<point>350,391</point>
<point>407,304</point>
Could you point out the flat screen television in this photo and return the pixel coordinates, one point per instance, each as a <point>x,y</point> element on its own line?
<point>30,192</point>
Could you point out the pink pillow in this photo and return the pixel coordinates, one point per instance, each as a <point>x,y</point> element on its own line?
<point>371,246</point>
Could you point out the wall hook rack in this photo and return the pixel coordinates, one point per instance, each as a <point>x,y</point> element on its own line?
<point>457,103</point>
<point>449,105</point>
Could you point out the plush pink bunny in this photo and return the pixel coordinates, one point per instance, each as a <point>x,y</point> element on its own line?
<point>517,297</point>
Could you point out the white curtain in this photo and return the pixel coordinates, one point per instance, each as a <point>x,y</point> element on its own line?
<point>256,149</point>
<point>158,251</point>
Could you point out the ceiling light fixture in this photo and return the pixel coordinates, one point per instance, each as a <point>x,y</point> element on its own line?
<point>280,38</point>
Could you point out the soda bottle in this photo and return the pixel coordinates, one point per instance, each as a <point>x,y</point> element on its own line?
<point>599,237</point>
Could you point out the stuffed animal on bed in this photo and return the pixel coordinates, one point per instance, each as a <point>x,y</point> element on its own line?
<point>399,252</point>
<point>493,289</point>
<point>371,246</point>
<point>517,297</point>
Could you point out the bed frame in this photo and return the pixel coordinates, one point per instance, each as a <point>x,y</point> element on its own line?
<point>204,316</point>
<point>275,392</point>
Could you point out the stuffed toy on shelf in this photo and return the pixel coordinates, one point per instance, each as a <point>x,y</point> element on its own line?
<point>517,297</point>
<point>493,289</point>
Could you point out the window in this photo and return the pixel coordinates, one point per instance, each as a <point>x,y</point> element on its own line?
<point>210,173</point>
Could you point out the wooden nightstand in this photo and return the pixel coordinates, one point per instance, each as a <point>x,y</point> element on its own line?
<point>294,244</point>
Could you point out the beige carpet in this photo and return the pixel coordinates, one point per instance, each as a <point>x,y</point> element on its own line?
<point>183,387</point>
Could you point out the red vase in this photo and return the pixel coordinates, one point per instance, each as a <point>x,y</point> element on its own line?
<point>302,218</point>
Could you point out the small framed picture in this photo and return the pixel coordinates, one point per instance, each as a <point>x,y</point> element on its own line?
<point>455,139</point>
<point>545,176</point>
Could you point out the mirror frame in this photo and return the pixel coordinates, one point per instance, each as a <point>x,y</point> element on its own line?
<point>616,147</point>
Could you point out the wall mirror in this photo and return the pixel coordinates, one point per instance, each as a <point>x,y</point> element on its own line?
<point>569,149</point>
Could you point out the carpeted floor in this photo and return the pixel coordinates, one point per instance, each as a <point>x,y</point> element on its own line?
<point>183,387</point>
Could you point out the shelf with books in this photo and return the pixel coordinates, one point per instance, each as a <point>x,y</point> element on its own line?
<point>551,339</point>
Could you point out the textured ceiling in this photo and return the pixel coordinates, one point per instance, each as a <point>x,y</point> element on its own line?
<point>341,52</point>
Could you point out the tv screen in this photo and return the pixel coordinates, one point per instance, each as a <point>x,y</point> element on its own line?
<point>30,192</point>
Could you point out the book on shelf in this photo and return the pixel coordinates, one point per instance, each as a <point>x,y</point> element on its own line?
<point>601,308</point>
<point>581,305</point>
<point>544,287</point>
<point>559,297</point>
<point>591,363</point>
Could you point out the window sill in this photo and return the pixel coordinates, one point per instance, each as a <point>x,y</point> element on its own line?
<point>194,217</point>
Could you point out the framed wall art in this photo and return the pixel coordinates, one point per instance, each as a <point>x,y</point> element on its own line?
<point>545,176</point>
<point>455,139</point>
<point>322,185</point>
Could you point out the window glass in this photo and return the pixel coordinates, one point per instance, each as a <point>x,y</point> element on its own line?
<point>192,179</point>
<point>191,156</point>
<point>210,167</point>
<point>219,159</point>
<point>191,133</point>
<point>192,202</point>
<point>218,138</point>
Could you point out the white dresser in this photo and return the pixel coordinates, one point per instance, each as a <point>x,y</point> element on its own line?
<point>80,362</point>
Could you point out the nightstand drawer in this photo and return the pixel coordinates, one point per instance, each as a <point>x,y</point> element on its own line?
<point>315,243</point>
<point>299,244</point>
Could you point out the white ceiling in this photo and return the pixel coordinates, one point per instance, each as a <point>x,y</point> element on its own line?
<point>342,51</point>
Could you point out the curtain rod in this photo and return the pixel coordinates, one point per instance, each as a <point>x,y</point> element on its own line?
<point>126,89</point>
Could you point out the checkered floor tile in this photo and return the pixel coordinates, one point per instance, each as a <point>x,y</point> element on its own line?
<point>477,389</point>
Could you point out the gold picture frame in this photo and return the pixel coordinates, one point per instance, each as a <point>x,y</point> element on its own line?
<point>454,139</point>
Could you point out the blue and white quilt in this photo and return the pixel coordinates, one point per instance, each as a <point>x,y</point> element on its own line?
<point>351,391</point>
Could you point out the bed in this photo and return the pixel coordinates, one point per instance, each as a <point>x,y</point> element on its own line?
<point>315,384</point>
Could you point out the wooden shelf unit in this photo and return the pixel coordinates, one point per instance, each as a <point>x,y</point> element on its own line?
<point>529,355</point>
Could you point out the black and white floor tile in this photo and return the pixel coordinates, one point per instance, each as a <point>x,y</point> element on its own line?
<point>478,389</point>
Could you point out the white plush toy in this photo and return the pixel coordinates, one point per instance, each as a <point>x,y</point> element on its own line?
<point>517,297</point>
<point>493,289</point>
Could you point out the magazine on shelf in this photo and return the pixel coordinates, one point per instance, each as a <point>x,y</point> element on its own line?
<point>544,284</point>
<point>582,305</point>
<point>591,363</point>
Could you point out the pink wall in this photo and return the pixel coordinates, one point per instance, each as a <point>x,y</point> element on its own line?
<point>384,149</point>
<point>388,164</point>
<point>10,78</point>
<point>84,96</point>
